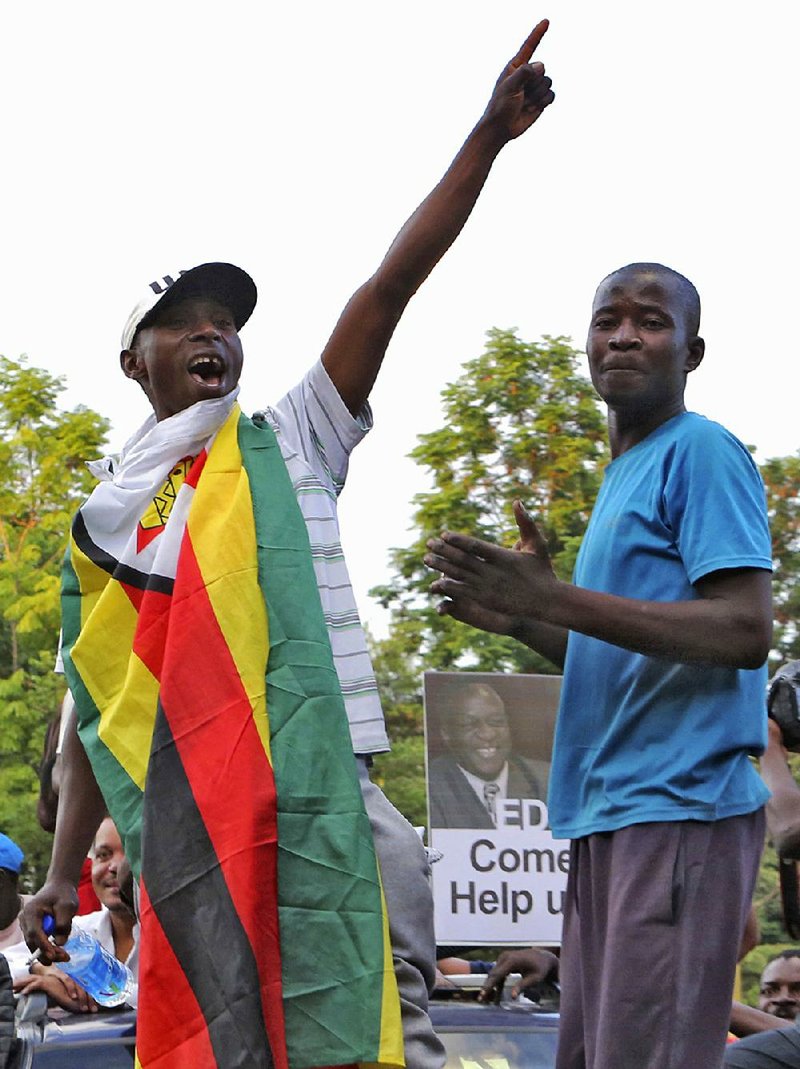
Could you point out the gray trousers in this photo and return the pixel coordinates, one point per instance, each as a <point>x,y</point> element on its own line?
<point>409,903</point>
<point>652,924</point>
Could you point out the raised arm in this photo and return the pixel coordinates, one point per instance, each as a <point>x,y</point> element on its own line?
<point>783,808</point>
<point>355,350</point>
<point>730,623</point>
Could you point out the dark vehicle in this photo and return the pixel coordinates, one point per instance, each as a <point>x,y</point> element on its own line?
<point>513,1035</point>
<point>509,1036</point>
<point>70,1040</point>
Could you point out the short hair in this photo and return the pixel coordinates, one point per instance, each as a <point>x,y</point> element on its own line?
<point>456,695</point>
<point>792,952</point>
<point>93,847</point>
<point>690,298</point>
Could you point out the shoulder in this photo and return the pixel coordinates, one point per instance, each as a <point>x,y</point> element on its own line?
<point>750,1051</point>
<point>91,922</point>
<point>697,433</point>
<point>526,763</point>
<point>698,455</point>
<point>535,772</point>
<point>445,775</point>
<point>443,764</point>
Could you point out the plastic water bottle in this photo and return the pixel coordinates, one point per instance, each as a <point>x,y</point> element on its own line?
<point>108,980</point>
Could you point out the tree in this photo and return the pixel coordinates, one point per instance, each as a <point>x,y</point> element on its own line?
<point>520,421</point>
<point>43,479</point>
<point>782,479</point>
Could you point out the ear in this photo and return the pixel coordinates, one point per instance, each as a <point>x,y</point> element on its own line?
<point>131,364</point>
<point>697,349</point>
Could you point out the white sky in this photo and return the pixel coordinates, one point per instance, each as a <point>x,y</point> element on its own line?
<point>294,140</point>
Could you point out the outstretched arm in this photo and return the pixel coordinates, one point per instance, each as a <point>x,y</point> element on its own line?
<point>534,965</point>
<point>355,350</point>
<point>730,623</point>
<point>748,1021</point>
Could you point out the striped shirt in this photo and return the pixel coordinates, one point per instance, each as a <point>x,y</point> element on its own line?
<point>316,434</point>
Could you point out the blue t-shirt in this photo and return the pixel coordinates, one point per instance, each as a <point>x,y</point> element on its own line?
<point>642,738</point>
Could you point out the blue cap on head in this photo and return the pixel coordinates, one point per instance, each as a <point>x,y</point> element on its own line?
<point>11,857</point>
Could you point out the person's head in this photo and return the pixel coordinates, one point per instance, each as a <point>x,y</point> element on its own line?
<point>107,857</point>
<point>11,858</point>
<point>643,337</point>
<point>477,733</point>
<point>181,341</point>
<point>779,993</point>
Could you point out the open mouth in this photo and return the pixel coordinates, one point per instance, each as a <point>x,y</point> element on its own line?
<point>207,369</point>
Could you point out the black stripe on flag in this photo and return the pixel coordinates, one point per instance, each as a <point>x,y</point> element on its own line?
<point>189,895</point>
<point>123,573</point>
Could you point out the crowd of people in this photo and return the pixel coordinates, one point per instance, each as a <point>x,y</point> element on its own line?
<point>104,905</point>
<point>234,783</point>
<point>113,925</point>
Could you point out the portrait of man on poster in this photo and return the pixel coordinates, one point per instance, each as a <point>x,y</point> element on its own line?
<point>480,749</point>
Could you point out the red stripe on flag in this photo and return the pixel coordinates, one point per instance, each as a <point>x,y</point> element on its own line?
<point>134,593</point>
<point>196,470</point>
<point>171,1031</point>
<point>146,535</point>
<point>151,629</point>
<point>211,720</point>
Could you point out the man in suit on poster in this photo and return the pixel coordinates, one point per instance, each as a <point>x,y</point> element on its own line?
<point>467,784</point>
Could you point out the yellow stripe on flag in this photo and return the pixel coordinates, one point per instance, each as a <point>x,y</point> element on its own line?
<point>391,1051</point>
<point>112,673</point>
<point>126,726</point>
<point>223,534</point>
<point>92,580</point>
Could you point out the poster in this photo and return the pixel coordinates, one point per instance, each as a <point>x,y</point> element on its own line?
<point>502,876</point>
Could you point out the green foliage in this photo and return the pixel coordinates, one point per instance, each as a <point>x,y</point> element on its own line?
<point>401,774</point>
<point>520,421</point>
<point>767,905</point>
<point>782,478</point>
<point>767,899</point>
<point>43,479</point>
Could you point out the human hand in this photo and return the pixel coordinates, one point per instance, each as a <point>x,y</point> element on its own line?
<point>59,988</point>
<point>522,91</point>
<point>58,898</point>
<point>488,586</point>
<point>533,964</point>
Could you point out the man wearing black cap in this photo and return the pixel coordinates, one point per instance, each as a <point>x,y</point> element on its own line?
<point>181,344</point>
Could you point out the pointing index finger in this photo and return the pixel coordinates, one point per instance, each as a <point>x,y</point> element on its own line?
<point>530,45</point>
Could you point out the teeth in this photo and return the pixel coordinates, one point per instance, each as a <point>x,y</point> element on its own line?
<point>206,367</point>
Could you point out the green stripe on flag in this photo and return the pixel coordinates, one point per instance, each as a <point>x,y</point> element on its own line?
<point>330,904</point>
<point>122,796</point>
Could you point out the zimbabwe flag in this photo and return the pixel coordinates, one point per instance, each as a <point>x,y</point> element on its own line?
<point>209,706</point>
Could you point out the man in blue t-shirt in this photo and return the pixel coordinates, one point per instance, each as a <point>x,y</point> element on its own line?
<point>662,636</point>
